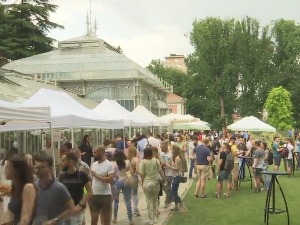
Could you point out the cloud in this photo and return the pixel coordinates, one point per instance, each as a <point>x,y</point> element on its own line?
<point>153,29</point>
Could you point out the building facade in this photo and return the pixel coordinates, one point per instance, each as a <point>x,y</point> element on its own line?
<point>176,62</point>
<point>176,104</point>
<point>93,69</point>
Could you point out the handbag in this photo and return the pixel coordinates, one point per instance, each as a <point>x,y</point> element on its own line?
<point>130,180</point>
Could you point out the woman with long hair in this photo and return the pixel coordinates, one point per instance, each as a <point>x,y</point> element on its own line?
<point>134,161</point>
<point>23,192</point>
<point>180,142</point>
<point>177,172</point>
<point>124,167</point>
<point>151,175</point>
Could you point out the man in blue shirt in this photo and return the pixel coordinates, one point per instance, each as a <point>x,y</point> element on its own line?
<point>203,158</point>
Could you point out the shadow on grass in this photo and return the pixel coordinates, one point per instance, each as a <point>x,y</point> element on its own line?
<point>243,207</point>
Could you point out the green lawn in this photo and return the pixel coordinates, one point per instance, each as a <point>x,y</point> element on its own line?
<point>243,207</point>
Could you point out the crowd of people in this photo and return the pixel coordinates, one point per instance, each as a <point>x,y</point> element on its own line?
<point>38,191</point>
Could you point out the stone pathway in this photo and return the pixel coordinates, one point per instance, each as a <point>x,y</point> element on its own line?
<point>164,213</point>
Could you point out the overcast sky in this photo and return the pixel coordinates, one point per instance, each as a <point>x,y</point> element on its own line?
<point>153,29</point>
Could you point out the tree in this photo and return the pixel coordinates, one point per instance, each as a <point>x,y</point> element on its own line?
<point>286,35</point>
<point>280,109</point>
<point>255,52</point>
<point>213,69</point>
<point>25,28</point>
<point>173,76</point>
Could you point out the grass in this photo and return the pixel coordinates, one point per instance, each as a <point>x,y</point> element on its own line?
<point>243,207</point>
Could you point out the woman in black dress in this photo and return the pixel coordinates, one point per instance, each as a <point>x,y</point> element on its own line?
<point>86,150</point>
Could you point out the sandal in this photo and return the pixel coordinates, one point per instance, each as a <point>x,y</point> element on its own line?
<point>114,220</point>
<point>196,196</point>
<point>205,196</point>
<point>217,196</point>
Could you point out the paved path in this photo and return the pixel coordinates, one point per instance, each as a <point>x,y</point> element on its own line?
<point>164,213</point>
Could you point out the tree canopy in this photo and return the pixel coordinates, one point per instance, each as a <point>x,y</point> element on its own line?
<point>173,76</point>
<point>24,28</point>
<point>280,109</point>
<point>235,64</point>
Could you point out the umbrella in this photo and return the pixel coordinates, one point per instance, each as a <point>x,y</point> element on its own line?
<point>251,123</point>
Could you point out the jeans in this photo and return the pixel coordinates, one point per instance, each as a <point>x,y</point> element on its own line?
<point>192,166</point>
<point>266,178</point>
<point>126,190</point>
<point>167,190</point>
<point>135,196</point>
<point>174,190</point>
<point>242,164</point>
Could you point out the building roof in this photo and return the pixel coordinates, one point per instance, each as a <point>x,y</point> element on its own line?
<point>85,58</point>
<point>171,97</point>
<point>15,88</point>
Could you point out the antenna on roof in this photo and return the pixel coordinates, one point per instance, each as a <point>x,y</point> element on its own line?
<point>95,26</point>
<point>91,16</point>
<point>89,29</point>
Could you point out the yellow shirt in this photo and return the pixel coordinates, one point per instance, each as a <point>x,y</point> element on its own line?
<point>234,152</point>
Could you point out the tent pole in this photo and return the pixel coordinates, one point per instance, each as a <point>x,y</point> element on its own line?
<point>124,138</point>
<point>52,149</point>
<point>72,137</point>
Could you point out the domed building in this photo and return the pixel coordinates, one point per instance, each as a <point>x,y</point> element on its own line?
<point>93,69</point>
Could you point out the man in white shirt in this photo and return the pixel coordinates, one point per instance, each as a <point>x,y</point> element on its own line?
<point>103,174</point>
<point>153,141</point>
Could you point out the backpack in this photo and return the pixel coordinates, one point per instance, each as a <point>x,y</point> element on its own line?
<point>229,162</point>
<point>270,158</point>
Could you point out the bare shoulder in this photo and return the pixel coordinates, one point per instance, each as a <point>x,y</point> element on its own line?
<point>29,186</point>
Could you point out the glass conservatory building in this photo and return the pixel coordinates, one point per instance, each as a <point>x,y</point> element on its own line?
<point>93,69</point>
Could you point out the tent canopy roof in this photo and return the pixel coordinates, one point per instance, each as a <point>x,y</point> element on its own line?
<point>251,123</point>
<point>148,115</point>
<point>115,110</point>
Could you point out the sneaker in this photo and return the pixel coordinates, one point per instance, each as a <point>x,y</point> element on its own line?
<point>182,208</point>
<point>114,220</point>
<point>167,205</point>
<point>217,196</point>
<point>136,213</point>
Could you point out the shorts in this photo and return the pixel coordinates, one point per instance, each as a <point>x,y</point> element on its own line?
<point>203,171</point>
<point>277,160</point>
<point>289,162</point>
<point>224,175</point>
<point>257,172</point>
<point>101,203</point>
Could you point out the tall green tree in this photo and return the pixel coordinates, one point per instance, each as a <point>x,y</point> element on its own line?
<point>286,35</point>
<point>280,109</point>
<point>173,76</point>
<point>255,52</point>
<point>214,71</point>
<point>26,26</point>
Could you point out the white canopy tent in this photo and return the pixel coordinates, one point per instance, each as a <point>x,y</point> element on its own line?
<point>68,113</point>
<point>141,111</point>
<point>198,125</point>
<point>116,111</point>
<point>18,115</point>
<point>176,118</point>
<point>251,123</point>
